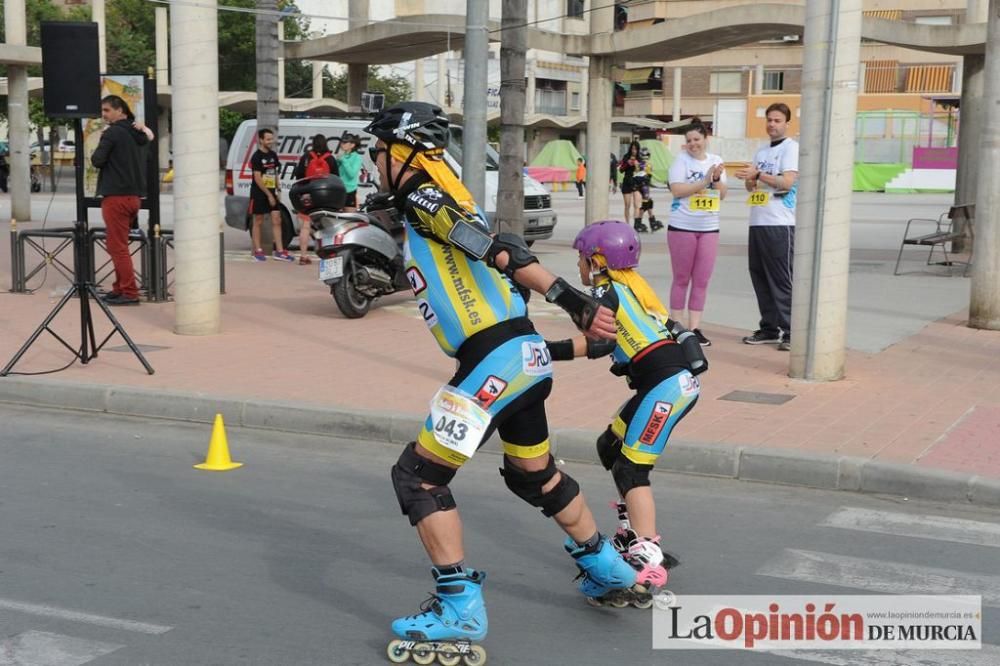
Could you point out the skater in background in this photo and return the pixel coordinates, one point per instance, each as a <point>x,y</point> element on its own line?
<point>659,359</point>
<point>643,184</point>
<point>503,377</point>
<point>628,167</point>
<point>581,176</point>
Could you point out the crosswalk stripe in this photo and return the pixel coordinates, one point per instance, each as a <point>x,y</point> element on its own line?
<point>76,616</point>
<point>938,528</point>
<point>988,656</point>
<point>41,648</point>
<point>879,576</point>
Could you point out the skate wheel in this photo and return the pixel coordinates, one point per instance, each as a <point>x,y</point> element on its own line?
<point>448,655</point>
<point>618,601</point>
<point>423,654</point>
<point>476,656</point>
<point>396,654</point>
<point>596,603</point>
<point>664,599</point>
<point>643,604</point>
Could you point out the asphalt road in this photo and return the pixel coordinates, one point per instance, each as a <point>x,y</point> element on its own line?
<point>113,550</point>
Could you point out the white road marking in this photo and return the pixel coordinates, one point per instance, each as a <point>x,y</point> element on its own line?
<point>878,576</point>
<point>988,656</point>
<point>87,618</point>
<point>938,528</point>
<point>41,648</point>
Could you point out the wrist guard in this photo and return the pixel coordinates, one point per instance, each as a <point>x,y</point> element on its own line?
<point>581,308</point>
<point>599,348</point>
<point>518,254</point>
<point>561,350</point>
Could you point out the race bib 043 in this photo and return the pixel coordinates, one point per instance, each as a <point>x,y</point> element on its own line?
<point>459,423</point>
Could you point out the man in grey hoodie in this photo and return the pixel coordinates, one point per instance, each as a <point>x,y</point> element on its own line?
<point>121,156</point>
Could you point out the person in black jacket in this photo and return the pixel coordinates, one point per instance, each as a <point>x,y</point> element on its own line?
<point>121,156</point>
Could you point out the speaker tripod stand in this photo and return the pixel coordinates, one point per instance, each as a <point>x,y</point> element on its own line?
<point>84,289</point>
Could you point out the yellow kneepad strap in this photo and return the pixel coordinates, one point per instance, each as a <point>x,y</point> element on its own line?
<point>529,451</point>
<point>639,457</point>
<point>428,441</point>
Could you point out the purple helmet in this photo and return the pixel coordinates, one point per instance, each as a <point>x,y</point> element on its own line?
<point>615,241</point>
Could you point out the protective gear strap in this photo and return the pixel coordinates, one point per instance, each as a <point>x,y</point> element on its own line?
<point>581,308</point>
<point>561,350</point>
<point>600,348</point>
<point>409,474</point>
<point>528,486</point>
<point>470,239</point>
<point>629,475</point>
<point>518,254</point>
<point>609,445</point>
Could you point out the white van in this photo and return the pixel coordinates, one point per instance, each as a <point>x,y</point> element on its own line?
<point>295,134</point>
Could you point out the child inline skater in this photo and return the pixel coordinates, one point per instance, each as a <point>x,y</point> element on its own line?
<point>643,183</point>
<point>660,360</point>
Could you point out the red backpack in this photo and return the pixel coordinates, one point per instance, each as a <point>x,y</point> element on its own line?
<point>318,166</point>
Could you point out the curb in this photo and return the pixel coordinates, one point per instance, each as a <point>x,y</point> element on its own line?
<point>776,466</point>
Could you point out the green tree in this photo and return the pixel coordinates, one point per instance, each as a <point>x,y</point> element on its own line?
<point>229,122</point>
<point>131,36</point>
<point>238,41</point>
<point>395,86</point>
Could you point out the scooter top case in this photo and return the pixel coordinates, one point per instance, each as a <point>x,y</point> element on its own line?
<point>318,193</point>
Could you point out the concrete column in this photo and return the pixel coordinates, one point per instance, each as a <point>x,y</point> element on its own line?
<point>970,128</point>
<point>281,61</point>
<point>956,78</point>
<point>584,92</point>
<point>19,134</point>
<point>823,226</point>
<point>977,11</point>
<point>581,145</point>
<point>357,75</point>
<point>418,80</point>
<point>862,75</point>
<point>599,101</point>
<point>984,305</point>
<point>676,110</point>
<point>195,60</point>
<point>317,79</point>
<point>529,92</point>
<point>162,47</point>
<point>476,55</point>
<point>165,140</point>
<point>759,80</point>
<point>97,15</point>
<point>267,50</point>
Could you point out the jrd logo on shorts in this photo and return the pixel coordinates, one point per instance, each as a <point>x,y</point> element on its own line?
<point>536,359</point>
<point>654,426</point>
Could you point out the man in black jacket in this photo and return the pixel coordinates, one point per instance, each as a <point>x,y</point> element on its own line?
<point>120,156</point>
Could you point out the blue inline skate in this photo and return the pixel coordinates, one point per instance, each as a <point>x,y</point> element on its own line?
<point>451,619</point>
<point>603,571</point>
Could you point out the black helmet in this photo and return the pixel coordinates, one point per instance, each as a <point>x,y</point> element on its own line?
<point>419,124</point>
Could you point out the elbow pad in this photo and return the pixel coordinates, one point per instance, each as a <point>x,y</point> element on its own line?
<point>599,348</point>
<point>518,254</point>
<point>581,308</point>
<point>561,350</point>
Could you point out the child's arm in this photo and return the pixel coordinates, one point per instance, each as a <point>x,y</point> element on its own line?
<point>567,350</point>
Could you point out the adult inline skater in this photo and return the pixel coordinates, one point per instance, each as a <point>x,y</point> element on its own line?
<point>468,289</point>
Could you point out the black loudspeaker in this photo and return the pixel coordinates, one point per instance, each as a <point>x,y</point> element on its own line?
<point>71,69</point>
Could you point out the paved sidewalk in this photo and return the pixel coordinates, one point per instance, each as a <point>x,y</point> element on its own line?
<point>932,399</point>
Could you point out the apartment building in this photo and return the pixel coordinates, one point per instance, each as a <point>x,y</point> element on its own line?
<point>732,88</point>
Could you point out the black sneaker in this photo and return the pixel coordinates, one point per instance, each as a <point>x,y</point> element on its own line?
<point>786,343</point>
<point>121,299</point>
<point>759,337</point>
<point>702,340</point>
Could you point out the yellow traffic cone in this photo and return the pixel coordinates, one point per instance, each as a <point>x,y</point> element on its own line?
<point>218,459</point>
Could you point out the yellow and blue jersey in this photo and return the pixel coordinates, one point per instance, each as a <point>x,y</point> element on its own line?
<point>637,329</point>
<point>457,294</point>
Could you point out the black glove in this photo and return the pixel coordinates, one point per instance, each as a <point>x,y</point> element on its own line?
<point>599,348</point>
<point>581,308</point>
<point>561,350</point>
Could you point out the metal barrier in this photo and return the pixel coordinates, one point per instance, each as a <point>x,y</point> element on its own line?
<point>154,276</point>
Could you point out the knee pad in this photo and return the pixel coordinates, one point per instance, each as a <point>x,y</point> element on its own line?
<point>629,475</point>
<point>608,448</point>
<point>528,486</point>
<point>409,474</point>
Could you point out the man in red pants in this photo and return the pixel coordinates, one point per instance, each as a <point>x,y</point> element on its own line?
<point>121,182</point>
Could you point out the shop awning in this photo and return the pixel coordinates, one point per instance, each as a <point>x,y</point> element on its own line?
<point>640,75</point>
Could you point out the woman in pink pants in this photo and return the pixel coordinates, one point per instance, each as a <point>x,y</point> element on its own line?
<point>698,184</point>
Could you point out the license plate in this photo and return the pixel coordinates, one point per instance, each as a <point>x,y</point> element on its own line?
<point>532,221</point>
<point>332,268</point>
